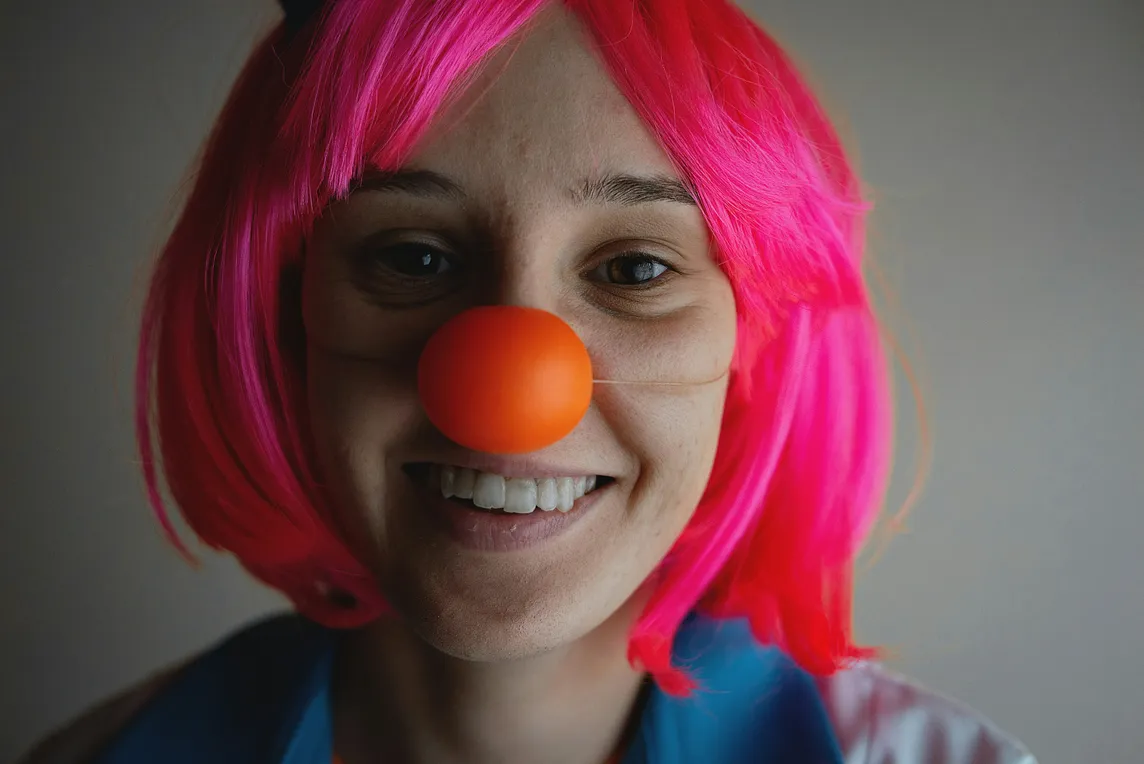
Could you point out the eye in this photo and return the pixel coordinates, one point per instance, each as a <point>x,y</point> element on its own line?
<point>406,273</point>
<point>413,260</point>
<point>634,270</point>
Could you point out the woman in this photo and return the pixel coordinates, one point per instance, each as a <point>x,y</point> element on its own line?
<point>668,580</point>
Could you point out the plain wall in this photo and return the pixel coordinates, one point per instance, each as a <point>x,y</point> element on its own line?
<point>1004,146</point>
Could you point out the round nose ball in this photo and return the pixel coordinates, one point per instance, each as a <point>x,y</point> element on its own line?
<point>505,379</point>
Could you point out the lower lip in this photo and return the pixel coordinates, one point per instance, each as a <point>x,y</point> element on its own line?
<point>503,532</point>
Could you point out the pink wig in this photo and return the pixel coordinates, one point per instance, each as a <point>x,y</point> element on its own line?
<point>804,449</point>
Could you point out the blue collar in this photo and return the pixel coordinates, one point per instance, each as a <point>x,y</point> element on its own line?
<point>263,697</point>
<point>754,707</point>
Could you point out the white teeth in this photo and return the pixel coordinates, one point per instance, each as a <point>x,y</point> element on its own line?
<point>546,494</point>
<point>489,491</point>
<point>519,496</point>
<point>565,493</point>
<point>448,482</point>
<point>513,495</point>
<point>466,480</point>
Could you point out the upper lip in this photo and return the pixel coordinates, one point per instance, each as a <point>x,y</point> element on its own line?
<point>514,467</point>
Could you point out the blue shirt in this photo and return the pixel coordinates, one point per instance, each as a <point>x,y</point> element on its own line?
<point>263,697</point>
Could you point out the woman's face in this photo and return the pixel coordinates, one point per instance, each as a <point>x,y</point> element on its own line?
<point>541,188</point>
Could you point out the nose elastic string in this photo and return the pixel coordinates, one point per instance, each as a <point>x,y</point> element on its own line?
<point>510,379</point>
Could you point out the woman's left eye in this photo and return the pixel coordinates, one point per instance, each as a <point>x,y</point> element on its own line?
<point>631,270</point>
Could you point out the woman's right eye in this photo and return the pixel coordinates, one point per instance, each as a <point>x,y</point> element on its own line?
<point>413,260</point>
<point>406,273</point>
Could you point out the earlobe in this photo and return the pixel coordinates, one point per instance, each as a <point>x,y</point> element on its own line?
<point>337,597</point>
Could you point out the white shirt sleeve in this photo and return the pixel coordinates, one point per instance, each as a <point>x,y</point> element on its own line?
<point>882,718</point>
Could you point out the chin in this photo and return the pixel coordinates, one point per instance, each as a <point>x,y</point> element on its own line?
<point>489,637</point>
<point>503,617</point>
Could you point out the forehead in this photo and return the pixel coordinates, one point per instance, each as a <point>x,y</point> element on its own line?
<point>541,114</point>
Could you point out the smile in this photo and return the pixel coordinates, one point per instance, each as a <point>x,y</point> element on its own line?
<point>510,495</point>
<point>490,512</point>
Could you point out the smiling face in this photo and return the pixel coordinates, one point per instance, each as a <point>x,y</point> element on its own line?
<point>540,188</point>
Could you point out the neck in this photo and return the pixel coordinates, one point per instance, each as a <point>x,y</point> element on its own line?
<point>397,697</point>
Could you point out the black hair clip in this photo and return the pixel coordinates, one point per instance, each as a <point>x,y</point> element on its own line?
<point>298,12</point>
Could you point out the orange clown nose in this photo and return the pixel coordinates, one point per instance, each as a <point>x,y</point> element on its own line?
<point>505,379</point>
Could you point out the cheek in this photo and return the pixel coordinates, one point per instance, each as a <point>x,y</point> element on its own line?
<point>691,345</point>
<point>356,408</point>
<point>674,436</point>
<point>673,432</point>
<point>361,389</point>
<point>671,429</point>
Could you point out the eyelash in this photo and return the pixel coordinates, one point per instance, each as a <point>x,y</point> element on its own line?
<point>375,257</point>
<point>642,257</point>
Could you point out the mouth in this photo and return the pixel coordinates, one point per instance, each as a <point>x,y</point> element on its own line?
<point>492,493</point>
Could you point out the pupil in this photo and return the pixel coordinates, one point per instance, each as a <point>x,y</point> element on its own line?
<point>643,270</point>
<point>631,270</point>
<point>417,262</point>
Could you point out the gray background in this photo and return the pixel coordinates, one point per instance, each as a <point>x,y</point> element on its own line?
<point>1002,142</point>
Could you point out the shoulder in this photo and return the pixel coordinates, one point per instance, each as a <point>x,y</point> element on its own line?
<point>248,660</point>
<point>80,740</point>
<point>881,716</point>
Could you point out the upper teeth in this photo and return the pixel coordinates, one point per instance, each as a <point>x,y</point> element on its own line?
<point>516,495</point>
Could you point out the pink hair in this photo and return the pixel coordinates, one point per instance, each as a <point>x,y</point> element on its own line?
<point>804,449</point>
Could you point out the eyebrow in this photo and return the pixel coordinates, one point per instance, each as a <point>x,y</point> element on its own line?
<point>423,183</point>
<point>621,189</point>
<point>630,190</point>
